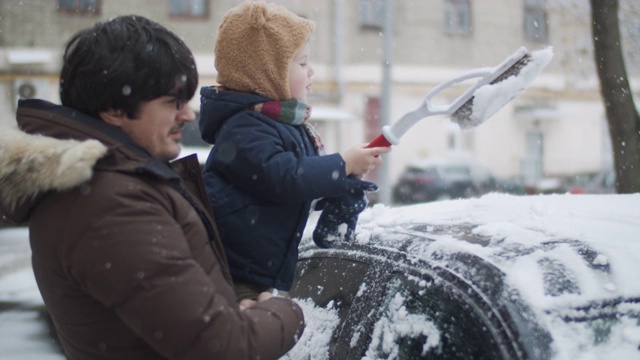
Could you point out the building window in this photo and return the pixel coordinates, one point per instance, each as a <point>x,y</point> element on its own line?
<point>79,6</point>
<point>535,20</point>
<point>458,141</point>
<point>457,17</point>
<point>371,13</point>
<point>188,8</point>
<point>532,166</point>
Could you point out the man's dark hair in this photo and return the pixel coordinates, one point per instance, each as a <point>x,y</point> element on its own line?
<point>122,62</point>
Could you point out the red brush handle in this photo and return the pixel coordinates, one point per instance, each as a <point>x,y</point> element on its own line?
<point>380,141</point>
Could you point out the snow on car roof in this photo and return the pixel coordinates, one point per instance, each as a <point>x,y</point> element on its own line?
<point>609,224</point>
<point>593,238</point>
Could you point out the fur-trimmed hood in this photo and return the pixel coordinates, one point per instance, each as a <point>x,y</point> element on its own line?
<point>56,148</point>
<point>33,164</point>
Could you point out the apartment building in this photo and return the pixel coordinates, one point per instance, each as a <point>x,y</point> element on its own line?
<point>362,82</point>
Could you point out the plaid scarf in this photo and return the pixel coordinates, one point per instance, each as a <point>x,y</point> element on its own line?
<point>293,112</point>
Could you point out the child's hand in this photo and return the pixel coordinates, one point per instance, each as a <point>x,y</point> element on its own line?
<point>359,160</point>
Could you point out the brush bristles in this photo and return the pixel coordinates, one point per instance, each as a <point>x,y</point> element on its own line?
<point>462,116</point>
<point>514,70</point>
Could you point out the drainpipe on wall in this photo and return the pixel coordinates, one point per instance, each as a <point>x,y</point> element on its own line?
<point>338,65</point>
<point>337,50</point>
<point>385,101</point>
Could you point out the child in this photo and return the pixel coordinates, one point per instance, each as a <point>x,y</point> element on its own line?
<point>265,173</point>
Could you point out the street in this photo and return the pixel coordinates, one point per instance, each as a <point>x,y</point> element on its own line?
<point>25,330</point>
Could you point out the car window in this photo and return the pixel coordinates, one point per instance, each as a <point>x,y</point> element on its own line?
<point>480,173</point>
<point>421,171</point>
<point>455,171</point>
<point>425,319</point>
<point>414,170</point>
<point>329,282</point>
<point>403,330</point>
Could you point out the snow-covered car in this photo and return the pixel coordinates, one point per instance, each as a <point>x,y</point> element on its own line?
<point>496,277</point>
<point>499,277</point>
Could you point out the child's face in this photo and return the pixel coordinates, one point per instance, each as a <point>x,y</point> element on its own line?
<point>300,72</point>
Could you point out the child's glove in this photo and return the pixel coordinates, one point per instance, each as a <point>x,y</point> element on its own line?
<point>339,211</point>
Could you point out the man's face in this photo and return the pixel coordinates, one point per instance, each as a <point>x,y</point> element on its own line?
<point>158,127</point>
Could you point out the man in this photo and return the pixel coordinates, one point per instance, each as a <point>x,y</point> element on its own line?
<point>125,252</point>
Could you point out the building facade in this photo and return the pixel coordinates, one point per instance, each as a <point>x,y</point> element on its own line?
<point>557,127</point>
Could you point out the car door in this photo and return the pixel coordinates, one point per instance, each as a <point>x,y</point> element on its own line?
<point>344,281</point>
<point>393,309</point>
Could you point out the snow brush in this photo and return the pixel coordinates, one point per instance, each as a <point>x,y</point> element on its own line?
<point>495,88</point>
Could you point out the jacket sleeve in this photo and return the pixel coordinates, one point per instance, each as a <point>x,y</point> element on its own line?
<point>269,160</point>
<point>132,255</point>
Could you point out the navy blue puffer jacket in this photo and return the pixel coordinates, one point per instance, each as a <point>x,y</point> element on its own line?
<point>262,177</point>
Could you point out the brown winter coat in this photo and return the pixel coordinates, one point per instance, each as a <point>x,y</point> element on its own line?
<point>128,267</point>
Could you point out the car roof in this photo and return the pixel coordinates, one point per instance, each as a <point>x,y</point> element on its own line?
<point>592,236</point>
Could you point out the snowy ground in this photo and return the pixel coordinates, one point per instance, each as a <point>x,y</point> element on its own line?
<point>23,332</point>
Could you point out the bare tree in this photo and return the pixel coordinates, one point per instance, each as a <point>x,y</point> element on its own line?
<point>622,115</point>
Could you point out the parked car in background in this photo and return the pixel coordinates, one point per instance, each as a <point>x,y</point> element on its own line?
<point>192,143</point>
<point>603,182</point>
<point>435,179</point>
<point>499,277</point>
<point>600,182</point>
<point>548,185</point>
<point>575,184</point>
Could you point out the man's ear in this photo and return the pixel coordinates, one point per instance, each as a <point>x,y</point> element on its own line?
<point>113,117</point>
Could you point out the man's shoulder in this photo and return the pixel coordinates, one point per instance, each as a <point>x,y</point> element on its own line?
<point>107,183</point>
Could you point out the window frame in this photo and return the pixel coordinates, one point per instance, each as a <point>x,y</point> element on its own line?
<point>535,21</point>
<point>371,14</point>
<point>458,17</point>
<point>80,7</point>
<point>187,7</point>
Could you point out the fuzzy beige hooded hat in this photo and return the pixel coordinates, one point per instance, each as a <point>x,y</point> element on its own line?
<point>255,44</point>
